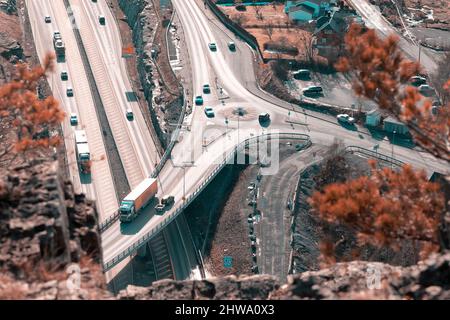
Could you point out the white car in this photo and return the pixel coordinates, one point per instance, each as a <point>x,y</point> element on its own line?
<point>345,118</point>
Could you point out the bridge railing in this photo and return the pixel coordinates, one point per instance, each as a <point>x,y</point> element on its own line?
<point>240,147</point>
<point>374,154</point>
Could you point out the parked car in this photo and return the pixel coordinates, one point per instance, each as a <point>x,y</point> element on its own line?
<point>425,88</point>
<point>212,46</point>
<point>345,118</point>
<point>206,88</point>
<point>301,74</point>
<point>232,46</point>
<point>64,76</point>
<point>209,112</point>
<point>198,100</point>
<point>69,92</point>
<point>73,119</point>
<point>129,114</point>
<point>101,20</point>
<point>264,117</point>
<point>312,90</point>
<point>48,19</point>
<point>418,80</point>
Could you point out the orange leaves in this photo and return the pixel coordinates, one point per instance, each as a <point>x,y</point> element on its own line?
<point>33,119</point>
<point>385,208</point>
<point>381,72</point>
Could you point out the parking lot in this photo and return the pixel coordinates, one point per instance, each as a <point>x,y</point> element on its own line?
<point>337,90</point>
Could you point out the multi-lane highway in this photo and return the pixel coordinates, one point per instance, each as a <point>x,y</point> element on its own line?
<point>198,162</point>
<point>101,186</point>
<point>199,151</point>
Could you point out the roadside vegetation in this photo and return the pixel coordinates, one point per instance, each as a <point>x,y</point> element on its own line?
<point>389,207</point>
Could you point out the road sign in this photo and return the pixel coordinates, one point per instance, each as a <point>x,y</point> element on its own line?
<point>227,261</point>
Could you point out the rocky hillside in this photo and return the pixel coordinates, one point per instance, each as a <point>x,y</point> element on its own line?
<point>46,233</point>
<point>427,280</point>
<point>49,249</point>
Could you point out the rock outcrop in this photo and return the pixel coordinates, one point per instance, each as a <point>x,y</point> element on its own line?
<point>45,229</point>
<point>429,279</point>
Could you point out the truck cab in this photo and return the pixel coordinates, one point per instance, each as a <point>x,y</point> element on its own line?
<point>127,211</point>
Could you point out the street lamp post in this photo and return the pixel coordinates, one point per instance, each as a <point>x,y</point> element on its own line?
<point>393,139</point>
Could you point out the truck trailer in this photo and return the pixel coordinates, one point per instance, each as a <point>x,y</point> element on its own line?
<point>137,199</point>
<point>58,44</point>
<point>82,150</point>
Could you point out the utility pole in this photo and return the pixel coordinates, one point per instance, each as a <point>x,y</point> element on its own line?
<point>393,139</point>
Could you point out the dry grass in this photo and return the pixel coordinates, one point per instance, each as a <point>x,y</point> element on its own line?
<point>274,27</point>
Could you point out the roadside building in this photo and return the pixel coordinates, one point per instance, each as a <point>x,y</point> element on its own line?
<point>392,125</point>
<point>306,10</point>
<point>373,118</point>
<point>331,28</point>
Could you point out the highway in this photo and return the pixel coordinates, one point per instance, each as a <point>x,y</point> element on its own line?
<point>104,49</point>
<point>200,150</point>
<point>101,188</point>
<point>192,163</point>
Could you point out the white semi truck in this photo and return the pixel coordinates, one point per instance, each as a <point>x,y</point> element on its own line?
<point>58,44</point>
<point>137,199</point>
<point>82,150</point>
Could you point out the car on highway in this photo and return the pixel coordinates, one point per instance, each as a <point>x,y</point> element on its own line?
<point>301,74</point>
<point>129,114</point>
<point>73,119</point>
<point>101,20</point>
<point>56,35</point>
<point>212,46</point>
<point>264,117</point>
<point>160,207</point>
<point>64,76</point>
<point>69,92</point>
<point>48,19</point>
<point>206,88</point>
<point>418,80</point>
<point>209,112</point>
<point>345,118</point>
<point>232,46</point>
<point>168,200</point>
<point>198,100</point>
<point>312,90</point>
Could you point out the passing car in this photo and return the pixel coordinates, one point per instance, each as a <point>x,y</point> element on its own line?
<point>312,90</point>
<point>418,80</point>
<point>206,88</point>
<point>198,100</point>
<point>345,118</point>
<point>69,92</point>
<point>168,200</point>
<point>160,207</point>
<point>47,19</point>
<point>56,35</point>
<point>264,117</point>
<point>101,20</point>
<point>209,112</point>
<point>232,46</point>
<point>301,74</point>
<point>64,76</point>
<point>212,46</point>
<point>129,114</point>
<point>73,119</point>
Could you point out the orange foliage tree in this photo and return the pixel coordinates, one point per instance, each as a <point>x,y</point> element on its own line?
<point>32,118</point>
<point>385,208</point>
<point>388,207</point>
<point>381,73</point>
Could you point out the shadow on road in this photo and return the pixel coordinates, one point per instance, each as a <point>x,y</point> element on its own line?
<point>85,178</point>
<point>142,219</point>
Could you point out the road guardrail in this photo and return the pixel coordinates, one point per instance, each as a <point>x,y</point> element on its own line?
<point>374,154</point>
<point>241,146</point>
